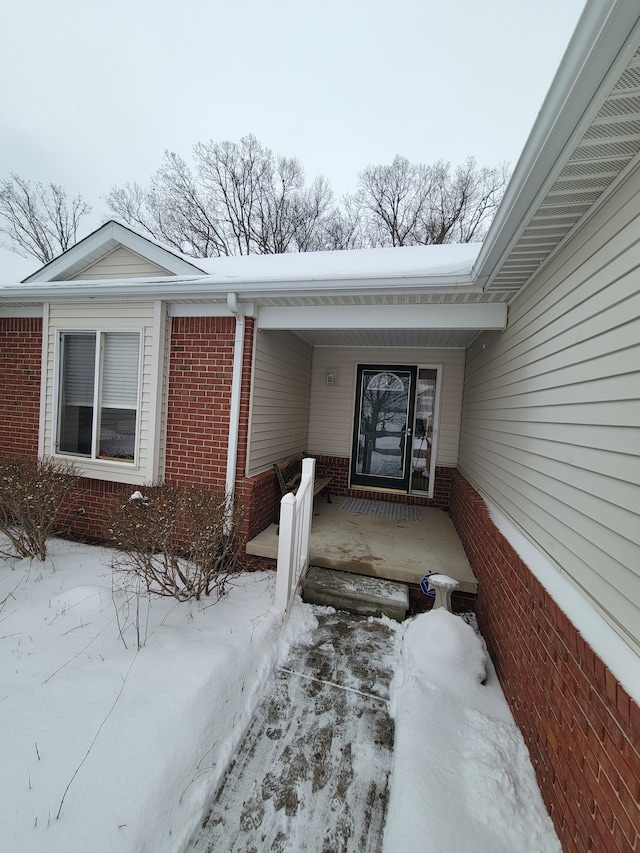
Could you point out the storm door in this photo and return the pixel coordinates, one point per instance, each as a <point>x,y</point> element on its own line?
<point>382,442</point>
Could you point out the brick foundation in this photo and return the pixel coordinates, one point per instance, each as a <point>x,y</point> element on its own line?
<point>338,468</point>
<point>461,602</point>
<point>261,496</point>
<point>88,509</point>
<point>581,727</point>
<point>20,369</point>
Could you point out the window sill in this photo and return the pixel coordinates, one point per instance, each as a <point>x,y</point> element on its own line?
<point>109,469</point>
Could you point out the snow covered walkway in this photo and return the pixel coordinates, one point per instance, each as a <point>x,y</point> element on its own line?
<point>119,716</point>
<point>312,773</point>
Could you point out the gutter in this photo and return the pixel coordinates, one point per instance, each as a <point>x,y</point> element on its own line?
<point>236,389</point>
<point>183,288</point>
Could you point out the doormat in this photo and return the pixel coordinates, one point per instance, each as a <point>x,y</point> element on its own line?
<point>381,509</point>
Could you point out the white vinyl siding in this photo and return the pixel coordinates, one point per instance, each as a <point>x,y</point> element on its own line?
<point>551,418</point>
<point>133,317</point>
<point>280,400</point>
<point>120,264</point>
<point>332,406</point>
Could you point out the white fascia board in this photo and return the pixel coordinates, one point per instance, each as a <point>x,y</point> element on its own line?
<point>469,316</point>
<point>205,288</point>
<point>604,41</point>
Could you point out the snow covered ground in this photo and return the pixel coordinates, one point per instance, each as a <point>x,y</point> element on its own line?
<point>462,778</point>
<point>119,717</point>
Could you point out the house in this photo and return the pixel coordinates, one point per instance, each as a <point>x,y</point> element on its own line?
<point>516,364</point>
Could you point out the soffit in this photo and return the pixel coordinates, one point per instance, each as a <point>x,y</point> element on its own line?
<point>608,147</point>
<point>335,300</point>
<point>423,338</point>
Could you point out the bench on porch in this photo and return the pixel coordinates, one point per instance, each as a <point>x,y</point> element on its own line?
<point>289,472</point>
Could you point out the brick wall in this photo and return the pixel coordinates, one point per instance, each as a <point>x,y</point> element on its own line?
<point>260,495</point>
<point>199,397</point>
<point>20,369</point>
<point>200,378</point>
<point>338,467</point>
<point>581,727</point>
<point>88,510</point>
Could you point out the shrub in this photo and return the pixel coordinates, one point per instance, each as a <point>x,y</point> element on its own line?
<point>180,541</point>
<point>32,497</point>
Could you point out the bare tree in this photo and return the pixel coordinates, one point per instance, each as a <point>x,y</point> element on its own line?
<point>342,228</point>
<point>394,199</point>
<point>39,220</point>
<point>406,204</point>
<point>239,199</point>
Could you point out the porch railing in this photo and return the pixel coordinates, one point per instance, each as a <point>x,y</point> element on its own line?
<point>296,512</point>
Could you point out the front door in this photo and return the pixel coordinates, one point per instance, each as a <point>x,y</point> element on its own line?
<point>382,443</point>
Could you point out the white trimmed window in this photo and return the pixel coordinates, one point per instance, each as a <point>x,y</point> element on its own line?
<point>98,397</point>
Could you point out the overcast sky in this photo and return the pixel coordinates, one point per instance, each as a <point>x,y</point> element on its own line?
<point>92,94</point>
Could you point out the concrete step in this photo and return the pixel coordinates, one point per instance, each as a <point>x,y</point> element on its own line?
<point>359,594</point>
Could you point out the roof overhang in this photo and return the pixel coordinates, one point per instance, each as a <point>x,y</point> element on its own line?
<point>586,138</point>
<point>207,288</point>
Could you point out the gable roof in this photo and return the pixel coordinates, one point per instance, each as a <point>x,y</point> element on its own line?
<point>102,242</point>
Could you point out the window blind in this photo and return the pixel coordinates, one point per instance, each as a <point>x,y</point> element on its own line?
<point>121,352</point>
<point>79,369</point>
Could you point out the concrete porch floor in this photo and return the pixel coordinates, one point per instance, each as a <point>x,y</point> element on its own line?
<point>379,547</point>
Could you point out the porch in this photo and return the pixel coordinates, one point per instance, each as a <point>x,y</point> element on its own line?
<point>398,542</point>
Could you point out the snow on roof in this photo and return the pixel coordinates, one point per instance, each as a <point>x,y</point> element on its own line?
<point>441,259</point>
<point>437,265</point>
<point>397,262</point>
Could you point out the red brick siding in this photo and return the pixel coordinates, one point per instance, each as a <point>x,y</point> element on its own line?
<point>338,467</point>
<point>20,369</point>
<point>260,495</point>
<point>581,727</point>
<point>87,511</point>
<point>200,378</point>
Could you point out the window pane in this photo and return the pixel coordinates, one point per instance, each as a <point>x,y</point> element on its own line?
<point>119,395</point>
<point>423,432</point>
<point>120,370</point>
<point>77,385</point>
<point>118,433</point>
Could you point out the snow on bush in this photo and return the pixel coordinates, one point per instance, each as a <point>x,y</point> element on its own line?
<point>176,540</point>
<point>32,503</point>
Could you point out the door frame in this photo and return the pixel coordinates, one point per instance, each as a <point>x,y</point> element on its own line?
<point>438,367</point>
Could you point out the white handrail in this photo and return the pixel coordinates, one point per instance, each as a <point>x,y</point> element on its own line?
<point>296,512</point>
